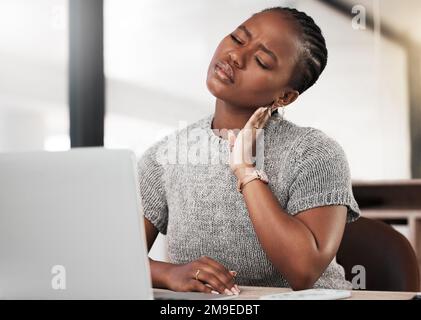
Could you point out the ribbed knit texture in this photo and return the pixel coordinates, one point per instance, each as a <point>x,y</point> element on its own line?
<point>199,209</point>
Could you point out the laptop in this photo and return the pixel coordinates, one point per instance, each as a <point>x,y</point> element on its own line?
<point>71,227</point>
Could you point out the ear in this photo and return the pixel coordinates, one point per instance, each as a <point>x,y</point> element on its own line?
<point>288,97</point>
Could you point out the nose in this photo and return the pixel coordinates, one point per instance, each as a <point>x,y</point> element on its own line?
<point>236,59</point>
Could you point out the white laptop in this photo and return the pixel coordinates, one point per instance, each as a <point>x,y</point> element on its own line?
<point>71,227</point>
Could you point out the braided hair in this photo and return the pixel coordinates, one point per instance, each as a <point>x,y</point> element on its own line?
<point>313,55</point>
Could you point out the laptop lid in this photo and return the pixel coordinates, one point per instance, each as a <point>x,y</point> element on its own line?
<point>71,226</point>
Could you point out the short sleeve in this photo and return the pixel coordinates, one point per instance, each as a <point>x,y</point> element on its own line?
<point>321,176</point>
<point>152,189</point>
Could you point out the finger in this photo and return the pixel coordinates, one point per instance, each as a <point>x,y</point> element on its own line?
<point>266,115</point>
<point>263,120</point>
<point>223,274</point>
<point>263,117</point>
<point>255,117</point>
<point>223,277</point>
<point>212,291</point>
<point>216,265</point>
<point>198,286</point>
<point>234,274</point>
<point>211,279</point>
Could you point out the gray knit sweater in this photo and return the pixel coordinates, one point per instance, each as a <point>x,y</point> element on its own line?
<point>188,192</point>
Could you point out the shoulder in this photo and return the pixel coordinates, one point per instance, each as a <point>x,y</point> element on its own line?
<point>310,147</point>
<point>314,143</point>
<point>304,141</point>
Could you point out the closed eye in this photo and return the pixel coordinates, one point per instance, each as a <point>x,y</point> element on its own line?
<point>235,39</point>
<point>261,64</point>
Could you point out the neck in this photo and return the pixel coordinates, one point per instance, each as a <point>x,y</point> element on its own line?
<point>228,116</point>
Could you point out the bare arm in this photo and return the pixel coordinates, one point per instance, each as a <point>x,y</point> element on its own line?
<point>151,233</point>
<point>301,246</point>
<point>158,269</point>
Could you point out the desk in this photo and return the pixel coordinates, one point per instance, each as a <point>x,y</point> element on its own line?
<point>253,293</point>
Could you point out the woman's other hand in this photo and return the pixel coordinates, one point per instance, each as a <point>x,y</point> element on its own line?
<point>202,275</point>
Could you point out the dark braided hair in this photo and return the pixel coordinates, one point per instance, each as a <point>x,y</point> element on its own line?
<point>313,56</point>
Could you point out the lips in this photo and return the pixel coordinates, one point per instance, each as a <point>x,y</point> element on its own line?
<point>226,69</point>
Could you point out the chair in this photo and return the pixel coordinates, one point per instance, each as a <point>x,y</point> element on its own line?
<point>387,256</point>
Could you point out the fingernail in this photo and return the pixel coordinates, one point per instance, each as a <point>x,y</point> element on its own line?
<point>234,273</point>
<point>234,291</point>
<point>236,287</point>
<point>214,292</point>
<point>227,292</point>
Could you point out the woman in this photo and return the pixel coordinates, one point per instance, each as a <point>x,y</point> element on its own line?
<point>227,225</point>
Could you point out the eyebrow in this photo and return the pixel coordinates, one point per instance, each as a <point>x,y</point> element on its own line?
<point>261,46</point>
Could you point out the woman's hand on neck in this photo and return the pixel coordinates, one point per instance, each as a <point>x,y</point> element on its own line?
<point>228,116</point>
